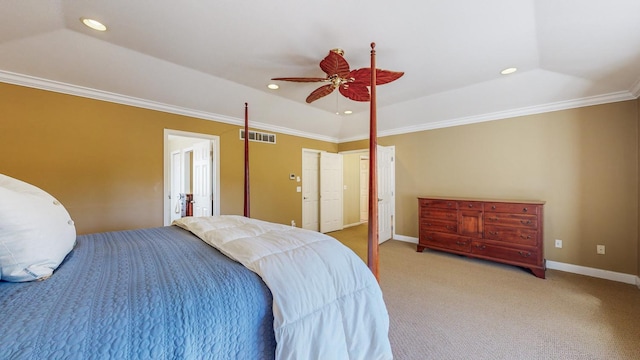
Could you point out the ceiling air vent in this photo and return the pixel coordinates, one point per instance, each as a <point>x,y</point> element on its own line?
<point>259,136</point>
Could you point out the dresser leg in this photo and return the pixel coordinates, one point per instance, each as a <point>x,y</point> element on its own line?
<point>538,272</point>
<point>420,248</point>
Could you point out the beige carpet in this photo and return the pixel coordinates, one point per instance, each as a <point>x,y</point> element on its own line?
<point>444,306</point>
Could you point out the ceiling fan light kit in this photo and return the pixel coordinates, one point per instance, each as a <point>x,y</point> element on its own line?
<point>353,84</point>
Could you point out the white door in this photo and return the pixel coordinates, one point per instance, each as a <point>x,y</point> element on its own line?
<point>386,191</point>
<point>331,205</point>
<point>310,190</point>
<point>202,189</point>
<point>176,185</point>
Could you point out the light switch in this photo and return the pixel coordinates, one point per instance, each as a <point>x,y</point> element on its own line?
<point>298,179</point>
<point>299,189</point>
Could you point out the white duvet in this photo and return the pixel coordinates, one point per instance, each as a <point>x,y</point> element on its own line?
<point>326,302</point>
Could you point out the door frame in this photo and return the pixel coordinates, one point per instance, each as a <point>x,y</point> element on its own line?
<point>365,152</point>
<point>215,168</point>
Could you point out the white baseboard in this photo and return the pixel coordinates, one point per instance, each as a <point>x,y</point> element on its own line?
<point>405,238</point>
<point>576,269</point>
<point>354,224</point>
<point>593,272</point>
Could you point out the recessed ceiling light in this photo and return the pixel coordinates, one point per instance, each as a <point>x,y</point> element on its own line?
<point>508,71</point>
<point>94,24</point>
<point>273,86</point>
<point>348,112</point>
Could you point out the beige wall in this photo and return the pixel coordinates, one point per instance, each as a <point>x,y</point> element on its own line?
<point>582,162</point>
<point>351,194</point>
<point>104,161</point>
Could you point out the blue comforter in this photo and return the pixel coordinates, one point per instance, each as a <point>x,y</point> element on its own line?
<point>156,293</point>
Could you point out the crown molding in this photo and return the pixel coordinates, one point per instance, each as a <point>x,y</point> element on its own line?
<point>81,91</point>
<point>500,115</point>
<point>64,88</point>
<point>635,89</point>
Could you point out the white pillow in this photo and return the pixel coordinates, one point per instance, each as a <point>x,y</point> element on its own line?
<point>36,231</point>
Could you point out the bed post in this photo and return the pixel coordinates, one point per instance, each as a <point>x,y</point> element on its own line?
<point>246,160</point>
<point>372,253</point>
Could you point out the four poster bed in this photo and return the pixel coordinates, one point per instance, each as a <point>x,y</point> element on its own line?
<point>225,287</point>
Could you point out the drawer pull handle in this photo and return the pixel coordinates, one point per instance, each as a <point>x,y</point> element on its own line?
<point>429,224</point>
<point>528,222</point>
<point>526,237</point>
<point>524,254</point>
<point>470,205</point>
<point>449,227</point>
<point>494,233</point>
<point>449,204</point>
<point>525,209</point>
<point>461,243</point>
<point>493,218</point>
<point>493,207</point>
<point>481,247</point>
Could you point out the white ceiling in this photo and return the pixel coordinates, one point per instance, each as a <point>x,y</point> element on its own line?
<point>207,58</point>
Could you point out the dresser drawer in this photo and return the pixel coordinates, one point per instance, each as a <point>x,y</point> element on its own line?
<point>438,203</point>
<point>516,220</point>
<point>512,208</point>
<point>523,236</point>
<point>445,241</point>
<point>438,213</point>
<point>505,253</point>
<point>439,225</point>
<point>470,205</point>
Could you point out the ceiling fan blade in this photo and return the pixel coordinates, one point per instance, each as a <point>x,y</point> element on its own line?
<point>387,76</point>
<point>301,79</point>
<point>355,91</point>
<point>320,92</point>
<point>363,76</point>
<point>334,64</point>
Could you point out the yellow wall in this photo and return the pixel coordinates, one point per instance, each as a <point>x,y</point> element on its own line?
<point>582,162</point>
<point>104,161</point>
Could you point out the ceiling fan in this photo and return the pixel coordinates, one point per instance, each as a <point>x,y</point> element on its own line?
<point>351,83</point>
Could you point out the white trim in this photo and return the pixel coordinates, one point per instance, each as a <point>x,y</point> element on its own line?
<point>635,89</point>
<point>408,239</point>
<point>81,91</point>
<point>576,269</point>
<point>507,114</point>
<point>593,272</point>
<point>354,224</point>
<point>167,165</point>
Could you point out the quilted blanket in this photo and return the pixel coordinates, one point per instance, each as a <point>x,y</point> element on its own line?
<point>156,293</point>
<point>326,302</point>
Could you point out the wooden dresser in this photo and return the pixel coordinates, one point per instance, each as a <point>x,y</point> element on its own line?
<point>509,232</point>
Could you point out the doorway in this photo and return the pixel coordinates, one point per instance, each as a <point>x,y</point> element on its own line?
<point>353,186</point>
<point>356,189</point>
<point>191,166</point>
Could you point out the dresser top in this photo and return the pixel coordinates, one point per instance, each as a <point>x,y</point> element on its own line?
<point>536,202</point>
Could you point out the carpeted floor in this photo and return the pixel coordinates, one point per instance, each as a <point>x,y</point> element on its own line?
<point>444,306</point>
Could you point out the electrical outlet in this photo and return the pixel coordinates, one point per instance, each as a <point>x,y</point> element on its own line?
<point>600,249</point>
<point>558,243</point>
